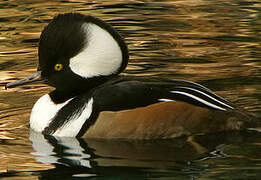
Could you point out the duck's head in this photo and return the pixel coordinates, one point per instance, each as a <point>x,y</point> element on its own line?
<point>76,50</point>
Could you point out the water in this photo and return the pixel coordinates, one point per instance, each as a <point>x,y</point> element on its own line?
<point>215,43</point>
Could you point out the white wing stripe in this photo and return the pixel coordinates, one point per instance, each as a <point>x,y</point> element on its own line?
<point>165,100</point>
<point>200,100</point>
<point>209,97</point>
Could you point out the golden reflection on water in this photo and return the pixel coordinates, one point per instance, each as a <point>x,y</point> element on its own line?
<point>213,42</point>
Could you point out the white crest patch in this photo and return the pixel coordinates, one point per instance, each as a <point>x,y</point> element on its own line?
<point>43,111</point>
<point>74,125</point>
<point>101,56</point>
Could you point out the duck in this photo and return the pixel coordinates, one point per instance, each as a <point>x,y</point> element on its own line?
<point>83,57</point>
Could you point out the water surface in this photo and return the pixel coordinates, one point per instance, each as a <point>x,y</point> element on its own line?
<point>212,42</point>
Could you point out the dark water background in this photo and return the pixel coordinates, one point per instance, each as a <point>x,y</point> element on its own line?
<point>212,42</point>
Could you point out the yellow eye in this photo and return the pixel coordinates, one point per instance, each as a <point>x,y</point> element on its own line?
<point>58,67</point>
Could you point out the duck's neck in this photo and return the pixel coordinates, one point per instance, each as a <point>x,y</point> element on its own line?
<point>86,86</point>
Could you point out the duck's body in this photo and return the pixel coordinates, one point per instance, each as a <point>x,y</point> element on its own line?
<point>83,62</point>
<point>140,108</point>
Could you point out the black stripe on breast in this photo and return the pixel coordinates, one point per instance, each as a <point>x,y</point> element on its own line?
<point>71,110</point>
<point>89,123</point>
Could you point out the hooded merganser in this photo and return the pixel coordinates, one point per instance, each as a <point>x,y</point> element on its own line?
<point>82,57</point>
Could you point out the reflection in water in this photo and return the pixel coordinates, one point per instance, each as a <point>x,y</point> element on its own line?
<point>98,157</point>
<point>63,151</point>
<point>95,157</point>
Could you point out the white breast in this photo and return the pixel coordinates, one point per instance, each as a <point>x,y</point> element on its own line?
<point>45,110</point>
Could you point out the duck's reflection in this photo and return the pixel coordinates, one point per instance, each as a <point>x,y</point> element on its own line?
<point>107,157</point>
<point>79,152</point>
<point>64,151</point>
